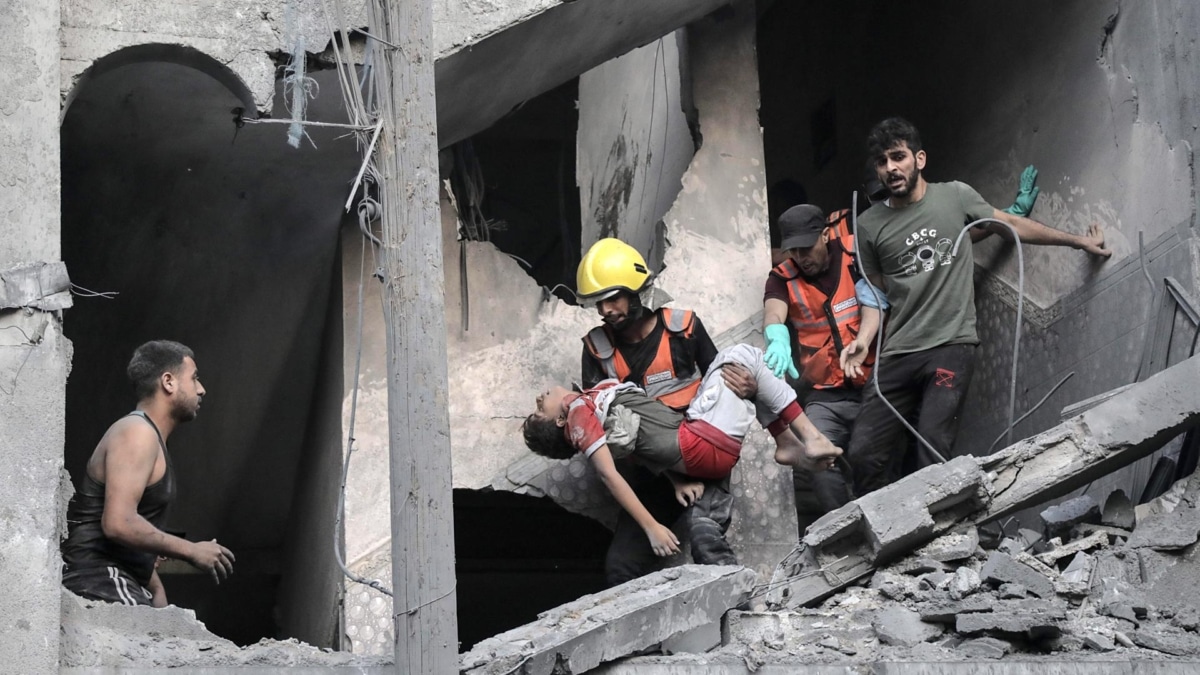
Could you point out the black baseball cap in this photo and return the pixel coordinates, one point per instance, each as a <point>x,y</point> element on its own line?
<point>801,226</point>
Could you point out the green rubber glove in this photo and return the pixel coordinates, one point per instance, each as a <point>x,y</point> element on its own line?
<point>779,350</point>
<point>1027,194</point>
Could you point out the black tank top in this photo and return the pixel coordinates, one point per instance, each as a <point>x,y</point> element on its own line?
<point>87,547</point>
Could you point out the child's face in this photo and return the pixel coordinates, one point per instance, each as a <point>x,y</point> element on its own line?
<point>551,404</point>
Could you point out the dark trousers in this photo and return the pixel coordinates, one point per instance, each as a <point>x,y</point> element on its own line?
<point>931,383</point>
<point>704,523</point>
<point>833,412</point>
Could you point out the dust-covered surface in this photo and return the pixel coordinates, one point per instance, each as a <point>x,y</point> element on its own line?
<point>1096,594</point>
<point>100,634</point>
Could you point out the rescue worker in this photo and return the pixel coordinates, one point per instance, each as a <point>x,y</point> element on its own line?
<point>665,351</point>
<point>813,292</point>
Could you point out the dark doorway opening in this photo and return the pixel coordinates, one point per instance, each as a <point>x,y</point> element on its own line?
<point>518,556</point>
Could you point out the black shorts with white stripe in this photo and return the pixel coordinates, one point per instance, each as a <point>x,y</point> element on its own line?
<point>110,584</point>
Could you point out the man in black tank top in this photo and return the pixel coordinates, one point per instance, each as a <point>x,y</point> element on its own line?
<point>115,520</point>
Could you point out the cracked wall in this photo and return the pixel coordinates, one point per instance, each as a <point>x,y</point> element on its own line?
<point>34,355</point>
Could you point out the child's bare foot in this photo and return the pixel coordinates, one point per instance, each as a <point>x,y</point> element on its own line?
<point>817,454</point>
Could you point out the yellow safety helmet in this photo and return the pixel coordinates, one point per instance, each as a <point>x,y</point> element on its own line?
<point>609,267</point>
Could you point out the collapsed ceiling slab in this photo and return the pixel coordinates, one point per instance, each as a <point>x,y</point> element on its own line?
<point>848,544</point>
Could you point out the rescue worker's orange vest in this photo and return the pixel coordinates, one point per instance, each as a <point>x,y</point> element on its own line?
<point>659,380</point>
<point>811,314</point>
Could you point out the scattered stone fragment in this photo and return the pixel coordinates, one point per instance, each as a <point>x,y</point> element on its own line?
<point>1119,610</point>
<point>1013,591</point>
<point>1001,569</point>
<point>934,581</point>
<point>958,545</point>
<point>1092,541</point>
<point>1011,547</point>
<point>894,586</point>
<point>1118,511</point>
<point>1187,618</point>
<point>915,566</point>
<point>1168,640</point>
<point>1059,519</point>
<point>1036,625</point>
<point>965,582</point>
<point>946,612</point>
<point>903,627</point>
<point>1115,533</point>
<point>1168,531</point>
<point>1122,639</point>
<point>1117,592</point>
<point>1080,568</point>
<point>1098,642</point>
<point>985,648</point>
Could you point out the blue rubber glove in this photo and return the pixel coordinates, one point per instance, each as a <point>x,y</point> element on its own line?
<point>1027,194</point>
<point>779,350</point>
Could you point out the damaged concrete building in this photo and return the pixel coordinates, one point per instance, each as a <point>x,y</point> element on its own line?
<point>141,200</point>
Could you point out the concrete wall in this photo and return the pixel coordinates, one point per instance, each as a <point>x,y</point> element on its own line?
<point>34,355</point>
<point>633,145</point>
<point>1099,95</point>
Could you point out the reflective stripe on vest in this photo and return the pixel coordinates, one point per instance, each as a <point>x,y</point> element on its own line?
<point>659,380</point>
<point>810,312</point>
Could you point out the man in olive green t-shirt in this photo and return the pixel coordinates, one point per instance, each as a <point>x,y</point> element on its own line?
<point>928,352</point>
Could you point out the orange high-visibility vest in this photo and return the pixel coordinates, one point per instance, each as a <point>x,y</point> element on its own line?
<point>814,316</point>
<point>660,380</point>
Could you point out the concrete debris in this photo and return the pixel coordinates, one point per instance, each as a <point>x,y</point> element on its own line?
<point>1098,642</point>
<point>1168,531</point>
<point>580,635</point>
<point>1059,519</point>
<point>965,582</point>
<point>958,545</point>
<point>1118,511</point>
<point>985,648</point>
<point>1038,620</point>
<point>898,625</point>
<point>114,637</point>
<point>923,571</point>
<point>43,286</point>
<point>1060,550</point>
<point>1003,569</point>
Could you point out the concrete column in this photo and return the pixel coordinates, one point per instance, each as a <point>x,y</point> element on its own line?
<point>34,355</point>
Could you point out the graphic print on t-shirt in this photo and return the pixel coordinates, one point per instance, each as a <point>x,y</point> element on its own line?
<point>925,252</point>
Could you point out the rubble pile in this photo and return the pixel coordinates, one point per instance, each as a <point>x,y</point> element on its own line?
<point>1082,586</point>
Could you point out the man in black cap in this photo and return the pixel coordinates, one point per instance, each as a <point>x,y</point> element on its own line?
<point>813,291</point>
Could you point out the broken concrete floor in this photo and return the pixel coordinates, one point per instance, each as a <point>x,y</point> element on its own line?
<point>104,636</point>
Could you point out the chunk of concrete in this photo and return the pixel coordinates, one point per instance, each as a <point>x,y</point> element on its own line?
<point>1098,642</point>
<point>1060,518</point>
<point>695,641</point>
<point>965,582</point>
<point>44,285</point>
<point>1003,569</point>
<point>985,648</point>
<point>1088,543</point>
<point>1168,640</point>
<point>1168,531</point>
<point>1114,434</point>
<point>580,635</point>
<point>902,627</point>
<point>1038,623</point>
<point>958,545</point>
<point>1012,591</point>
<point>1118,511</point>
